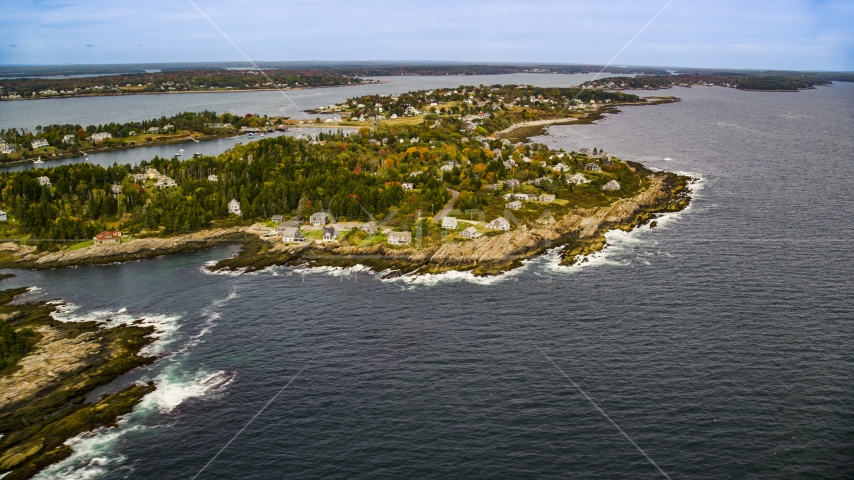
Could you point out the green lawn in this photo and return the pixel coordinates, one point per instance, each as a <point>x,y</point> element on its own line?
<point>77,246</point>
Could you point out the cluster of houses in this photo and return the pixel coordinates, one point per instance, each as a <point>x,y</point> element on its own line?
<point>290,230</point>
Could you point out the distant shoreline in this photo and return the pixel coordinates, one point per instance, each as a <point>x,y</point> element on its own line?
<point>235,90</point>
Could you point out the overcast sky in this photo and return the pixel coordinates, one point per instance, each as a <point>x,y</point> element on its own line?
<point>762,34</point>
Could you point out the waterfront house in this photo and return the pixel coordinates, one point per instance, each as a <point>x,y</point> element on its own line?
<point>561,167</point>
<point>213,178</point>
<point>407,186</point>
<point>449,223</point>
<point>39,143</point>
<point>69,139</point>
<point>6,149</point>
<point>44,181</point>
<point>281,227</point>
<point>109,237</point>
<point>584,151</point>
<point>100,137</point>
<point>330,234</point>
<point>577,179</point>
<point>234,207</point>
<point>470,232</point>
<point>154,130</point>
<point>370,228</point>
<point>152,173</point>
<point>318,219</point>
<point>499,223</point>
<point>512,183</point>
<point>593,167</point>
<point>399,238</point>
<point>278,218</point>
<point>292,235</point>
<point>612,185</point>
<point>514,205</point>
<point>547,198</point>
<point>138,177</point>
<point>3,217</point>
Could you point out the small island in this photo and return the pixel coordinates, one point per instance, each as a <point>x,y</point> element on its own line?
<point>435,180</point>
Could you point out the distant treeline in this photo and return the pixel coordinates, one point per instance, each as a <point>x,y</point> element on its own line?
<point>771,81</point>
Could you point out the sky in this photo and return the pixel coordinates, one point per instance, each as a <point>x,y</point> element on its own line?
<point>759,34</point>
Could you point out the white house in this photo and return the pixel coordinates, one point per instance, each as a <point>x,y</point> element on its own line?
<point>612,185</point>
<point>318,219</point>
<point>234,207</point>
<point>3,216</point>
<point>499,223</point>
<point>593,167</point>
<point>547,198</point>
<point>6,149</point>
<point>330,234</point>
<point>292,235</point>
<point>100,137</point>
<point>577,179</point>
<point>167,182</point>
<point>407,186</point>
<point>154,130</point>
<point>399,238</point>
<point>470,232</point>
<point>449,223</point>
<point>44,181</point>
<point>39,143</point>
<point>370,228</point>
<point>69,139</point>
<point>138,177</point>
<point>561,167</point>
<point>152,173</point>
<point>213,178</point>
<point>512,183</point>
<point>514,205</point>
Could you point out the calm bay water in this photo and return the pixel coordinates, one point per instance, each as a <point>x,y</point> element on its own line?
<point>720,342</point>
<point>99,110</point>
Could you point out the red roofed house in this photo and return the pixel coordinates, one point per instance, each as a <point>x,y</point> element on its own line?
<point>104,238</point>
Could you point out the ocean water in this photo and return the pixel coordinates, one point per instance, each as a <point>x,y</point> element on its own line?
<point>719,342</point>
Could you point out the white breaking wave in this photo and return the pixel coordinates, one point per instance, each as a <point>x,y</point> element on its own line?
<point>175,388</point>
<point>165,326</point>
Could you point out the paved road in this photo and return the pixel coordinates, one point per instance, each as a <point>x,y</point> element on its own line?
<point>450,206</point>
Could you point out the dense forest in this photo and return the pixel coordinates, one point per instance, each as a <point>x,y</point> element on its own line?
<point>14,344</point>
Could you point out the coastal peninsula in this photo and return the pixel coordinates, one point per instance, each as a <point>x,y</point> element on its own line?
<point>436,180</point>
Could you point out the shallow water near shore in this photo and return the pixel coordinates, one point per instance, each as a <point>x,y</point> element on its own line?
<point>719,341</point>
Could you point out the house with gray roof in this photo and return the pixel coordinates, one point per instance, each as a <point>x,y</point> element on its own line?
<point>399,238</point>
<point>370,228</point>
<point>318,219</point>
<point>470,232</point>
<point>612,185</point>
<point>499,223</point>
<point>292,235</point>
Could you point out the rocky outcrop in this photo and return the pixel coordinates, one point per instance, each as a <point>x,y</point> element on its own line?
<point>43,397</point>
<point>23,256</point>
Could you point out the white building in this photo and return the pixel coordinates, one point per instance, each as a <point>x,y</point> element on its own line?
<point>234,207</point>
<point>449,223</point>
<point>292,235</point>
<point>407,186</point>
<point>3,216</point>
<point>318,219</point>
<point>499,223</point>
<point>561,167</point>
<point>547,198</point>
<point>44,181</point>
<point>399,238</point>
<point>69,139</point>
<point>514,205</point>
<point>100,137</point>
<point>577,179</point>
<point>6,149</point>
<point>213,178</point>
<point>152,173</point>
<point>165,182</point>
<point>39,143</point>
<point>470,232</point>
<point>612,185</point>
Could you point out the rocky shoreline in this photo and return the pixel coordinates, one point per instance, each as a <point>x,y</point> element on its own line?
<point>580,233</point>
<point>43,397</point>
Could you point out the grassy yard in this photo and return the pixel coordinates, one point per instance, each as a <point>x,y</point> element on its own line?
<point>78,246</point>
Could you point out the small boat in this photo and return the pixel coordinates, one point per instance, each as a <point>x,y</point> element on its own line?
<point>182,150</point>
<point>667,159</point>
<point>195,140</point>
<point>251,135</point>
<point>38,160</point>
<point>178,154</point>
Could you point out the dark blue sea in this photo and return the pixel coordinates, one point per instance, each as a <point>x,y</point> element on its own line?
<point>718,345</point>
